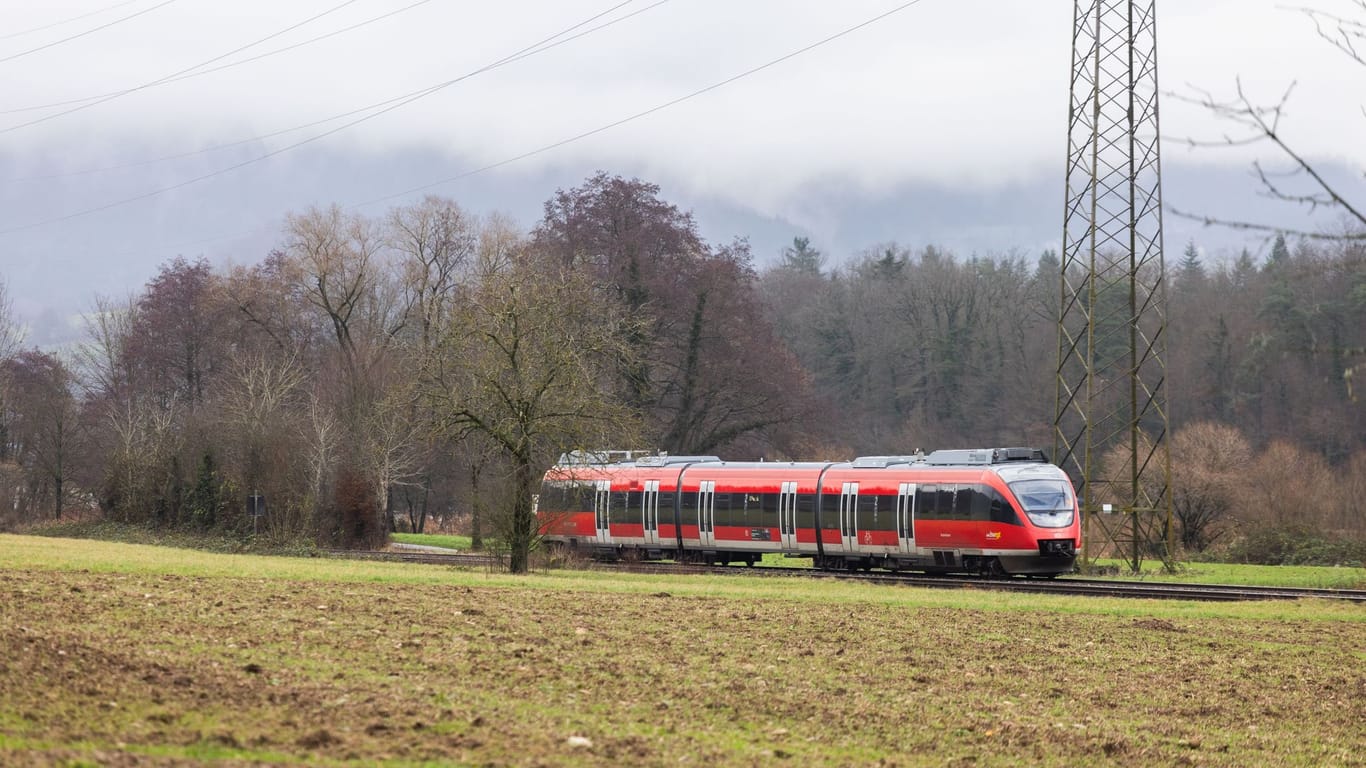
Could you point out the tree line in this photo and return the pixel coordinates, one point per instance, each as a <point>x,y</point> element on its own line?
<point>373,374</point>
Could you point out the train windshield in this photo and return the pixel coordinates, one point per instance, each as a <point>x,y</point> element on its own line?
<point>1048,503</point>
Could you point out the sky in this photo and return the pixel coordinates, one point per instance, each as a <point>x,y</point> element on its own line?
<point>942,122</point>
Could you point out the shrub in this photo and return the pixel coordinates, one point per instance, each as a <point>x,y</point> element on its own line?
<point>1297,545</point>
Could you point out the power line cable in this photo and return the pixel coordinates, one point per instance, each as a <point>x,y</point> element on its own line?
<point>644,113</point>
<point>167,78</point>
<point>45,46</point>
<point>220,68</point>
<point>554,145</point>
<point>87,15</point>
<point>533,49</point>
<point>313,124</point>
<point>546,45</point>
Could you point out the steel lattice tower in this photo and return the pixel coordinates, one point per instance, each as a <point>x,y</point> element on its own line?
<point>1110,424</point>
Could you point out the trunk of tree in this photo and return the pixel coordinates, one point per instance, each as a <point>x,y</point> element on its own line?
<point>476,503</point>
<point>390,523</point>
<point>523,525</point>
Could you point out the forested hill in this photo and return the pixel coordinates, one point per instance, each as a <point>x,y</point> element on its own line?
<point>372,373</point>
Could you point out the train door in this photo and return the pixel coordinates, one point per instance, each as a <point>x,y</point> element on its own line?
<point>706,513</point>
<point>602,511</point>
<point>787,515</point>
<point>849,517</point>
<point>905,518</point>
<point>649,512</point>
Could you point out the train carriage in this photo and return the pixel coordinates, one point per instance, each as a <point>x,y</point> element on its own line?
<point>988,511</point>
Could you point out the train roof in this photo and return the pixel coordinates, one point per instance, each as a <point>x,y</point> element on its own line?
<point>972,457</point>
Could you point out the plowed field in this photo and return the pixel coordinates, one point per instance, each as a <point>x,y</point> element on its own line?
<point>152,669</point>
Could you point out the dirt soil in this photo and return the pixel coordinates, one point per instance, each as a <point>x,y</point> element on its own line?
<point>136,670</point>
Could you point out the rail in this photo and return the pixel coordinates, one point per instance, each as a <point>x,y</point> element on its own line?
<point>1067,586</point>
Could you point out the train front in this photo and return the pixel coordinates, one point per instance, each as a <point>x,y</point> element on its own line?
<point>1052,518</point>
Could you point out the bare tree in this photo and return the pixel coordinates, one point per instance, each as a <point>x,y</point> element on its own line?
<point>44,429</point>
<point>1210,463</point>
<point>1303,182</point>
<point>436,241</point>
<point>520,364</point>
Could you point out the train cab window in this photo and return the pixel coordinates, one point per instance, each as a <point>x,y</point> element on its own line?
<point>1047,503</point>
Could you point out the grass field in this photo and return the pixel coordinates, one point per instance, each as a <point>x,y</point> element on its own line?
<point>1322,577</point>
<point>446,540</point>
<point>129,655</point>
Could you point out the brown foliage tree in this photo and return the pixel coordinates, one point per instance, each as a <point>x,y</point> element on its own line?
<point>706,366</point>
<point>1209,464</point>
<point>44,432</point>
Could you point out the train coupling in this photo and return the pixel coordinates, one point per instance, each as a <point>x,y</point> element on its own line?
<point>1058,547</point>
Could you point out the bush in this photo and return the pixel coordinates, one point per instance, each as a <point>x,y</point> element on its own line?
<point>357,513</point>
<point>1297,545</point>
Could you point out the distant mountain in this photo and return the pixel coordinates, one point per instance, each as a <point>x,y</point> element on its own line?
<point>54,270</point>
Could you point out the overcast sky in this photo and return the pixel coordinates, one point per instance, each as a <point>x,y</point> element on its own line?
<point>952,105</point>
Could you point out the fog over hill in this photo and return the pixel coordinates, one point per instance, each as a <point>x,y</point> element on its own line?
<point>55,271</point>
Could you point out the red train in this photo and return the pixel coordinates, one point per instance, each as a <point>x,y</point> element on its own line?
<point>992,511</point>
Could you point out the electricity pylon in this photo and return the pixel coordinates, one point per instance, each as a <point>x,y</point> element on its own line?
<point>1110,424</point>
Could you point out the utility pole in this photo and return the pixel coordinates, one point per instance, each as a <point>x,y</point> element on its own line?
<point>1110,424</point>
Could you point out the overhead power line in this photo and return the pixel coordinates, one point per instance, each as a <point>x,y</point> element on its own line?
<point>220,68</point>
<point>169,77</point>
<point>45,46</point>
<point>644,113</point>
<point>540,150</point>
<point>86,15</point>
<point>531,50</point>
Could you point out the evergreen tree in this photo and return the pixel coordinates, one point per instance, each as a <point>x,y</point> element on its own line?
<point>801,257</point>
<point>1190,272</point>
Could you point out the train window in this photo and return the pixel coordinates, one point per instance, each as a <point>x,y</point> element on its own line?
<point>830,511</point>
<point>566,496</point>
<point>1001,509</point>
<point>724,509</point>
<point>962,503</point>
<point>979,503</point>
<point>768,511</point>
<point>867,512</point>
<point>635,507</point>
<point>943,503</point>
<point>580,497</point>
<point>806,510</point>
<point>687,512</point>
<point>552,497</point>
<point>924,502</point>
<point>618,511</point>
<point>666,508</point>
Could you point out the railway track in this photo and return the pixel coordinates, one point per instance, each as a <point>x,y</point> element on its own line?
<point>1059,586</point>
